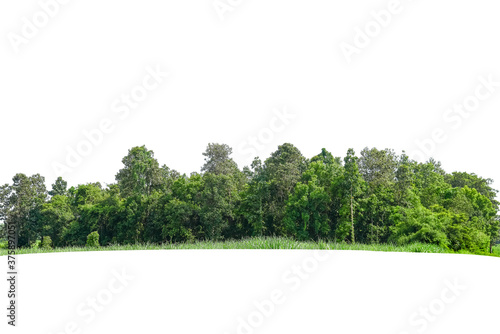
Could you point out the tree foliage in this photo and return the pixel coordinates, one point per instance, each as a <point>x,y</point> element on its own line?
<point>376,197</point>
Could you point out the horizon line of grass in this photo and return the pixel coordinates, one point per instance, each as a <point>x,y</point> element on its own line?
<point>259,243</point>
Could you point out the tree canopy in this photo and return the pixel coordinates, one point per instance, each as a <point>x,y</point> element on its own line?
<point>376,197</point>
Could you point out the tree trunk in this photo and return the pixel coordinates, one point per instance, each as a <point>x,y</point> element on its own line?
<point>352,219</point>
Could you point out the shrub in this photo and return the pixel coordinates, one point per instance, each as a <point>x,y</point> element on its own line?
<point>418,225</point>
<point>93,239</point>
<point>46,243</point>
<point>36,244</point>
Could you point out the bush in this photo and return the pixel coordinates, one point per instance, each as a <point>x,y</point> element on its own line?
<point>480,242</point>
<point>418,225</point>
<point>4,244</point>
<point>93,239</point>
<point>46,243</point>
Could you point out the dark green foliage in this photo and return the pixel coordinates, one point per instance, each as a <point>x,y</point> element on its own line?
<point>59,187</point>
<point>56,216</point>
<point>307,211</point>
<point>21,205</point>
<point>462,179</point>
<point>218,161</point>
<point>179,223</point>
<point>378,197</point>
<point>282,170</point>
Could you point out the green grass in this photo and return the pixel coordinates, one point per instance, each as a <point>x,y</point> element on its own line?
<point>496,250</point>
<point>257,243</point>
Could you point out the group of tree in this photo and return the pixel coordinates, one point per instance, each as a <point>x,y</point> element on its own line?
<point>376,197</point>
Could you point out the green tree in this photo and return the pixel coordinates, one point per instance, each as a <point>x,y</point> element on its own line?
<point>483,186</point>
<point>352,188</point>
<point>377,167</point>
<point>168,177</point>
<point>283,169</point>
<point>219,198</point>
<point>57,214</point>
<point>418,224</point>
<point>429,183</point>
<point>21,205</point>
<point>218,160</point>
<point>254,199</point>
<point>46,243</point>
<point>307,208</point>
<point>93,239</point>
<point>405,181</point>
<point>141,173</point>
<point>84,203</point>
<point>59,187</point>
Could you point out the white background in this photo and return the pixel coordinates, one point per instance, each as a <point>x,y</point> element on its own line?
<point>226,76</point>
<point>206,291</point>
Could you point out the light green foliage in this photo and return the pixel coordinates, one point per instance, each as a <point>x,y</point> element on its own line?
<point>93,240</point>
<point>46,243</point>
<point>430,184</point>
<point>141,173</point>
<point>56,216</point>
<point>471,180</point>
<point>418,224</point>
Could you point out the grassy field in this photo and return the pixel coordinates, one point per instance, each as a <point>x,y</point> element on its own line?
<point>257,243</point>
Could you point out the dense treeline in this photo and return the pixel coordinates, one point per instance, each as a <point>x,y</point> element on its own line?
<point>378,197</point>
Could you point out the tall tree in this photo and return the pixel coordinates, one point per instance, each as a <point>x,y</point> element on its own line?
<point>307,210</point>
<point>462,179</point>
<point>168,177</point>
<point>218,160</point>
<point>429,183</point>
<point>218,203</point>
<point>378,167</point>
<point>22,203</point>
<point>254,199</point>
<point>57,215</point>
<point>141,173</point>
<point>405,180</point>
<point>353,186</point>
<point>283,170</point>
<point>59,187</point>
